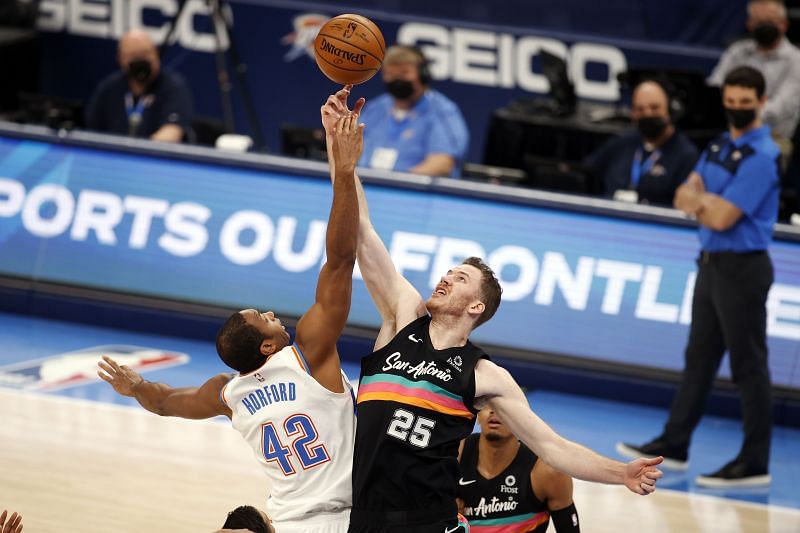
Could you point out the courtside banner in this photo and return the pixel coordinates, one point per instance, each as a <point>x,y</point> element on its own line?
<point>575,284</point>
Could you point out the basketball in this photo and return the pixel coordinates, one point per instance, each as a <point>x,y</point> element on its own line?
<point>349,49</point>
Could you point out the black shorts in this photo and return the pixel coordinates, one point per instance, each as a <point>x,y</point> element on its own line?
<point>370,522</point>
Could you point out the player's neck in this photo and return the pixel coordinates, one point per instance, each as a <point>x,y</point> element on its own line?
<point>495,456</point>
<point>448,332</point>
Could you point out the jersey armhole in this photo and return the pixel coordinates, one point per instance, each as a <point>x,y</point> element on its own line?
<point>301,360</point>
<point>222,398</point>
<point>470,402</point>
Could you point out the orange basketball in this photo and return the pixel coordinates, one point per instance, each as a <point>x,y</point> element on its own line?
<point>349,49</point>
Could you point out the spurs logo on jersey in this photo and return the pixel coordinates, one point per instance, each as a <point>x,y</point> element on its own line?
<point>300,432</point>
<point>413,409</point>
<point>506,501</point>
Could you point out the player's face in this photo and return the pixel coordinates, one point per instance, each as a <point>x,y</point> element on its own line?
<point>457,292</point>
<point>492,427</point>
<point>269,325</point>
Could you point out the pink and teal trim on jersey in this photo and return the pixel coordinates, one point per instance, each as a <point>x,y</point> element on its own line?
<point>388,387</point>
<point>509,524</point>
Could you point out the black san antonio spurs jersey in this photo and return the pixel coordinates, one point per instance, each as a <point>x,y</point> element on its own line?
<point>506,501</point>
<point>414,406</point>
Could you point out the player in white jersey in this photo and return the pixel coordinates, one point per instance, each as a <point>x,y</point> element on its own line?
<point>290,401</point>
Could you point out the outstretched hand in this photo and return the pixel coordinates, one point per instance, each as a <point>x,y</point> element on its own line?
<point>123,379</point>
<point>641,475</point>
<point>348,142</point>
<point>14,524</point>
<point>336,107</point>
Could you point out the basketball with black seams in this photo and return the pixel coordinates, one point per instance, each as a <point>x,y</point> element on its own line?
<point>349,49</point>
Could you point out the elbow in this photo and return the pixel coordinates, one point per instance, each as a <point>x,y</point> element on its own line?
<point>716,225</point>
<point>343,258</point>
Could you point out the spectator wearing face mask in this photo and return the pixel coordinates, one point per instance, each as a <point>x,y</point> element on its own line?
<point>412,128</point>
<point>141,100</point>
<point>646,164</point>
<point>777,59</point>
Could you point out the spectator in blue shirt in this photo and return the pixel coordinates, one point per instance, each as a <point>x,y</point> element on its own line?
<point>141,100</point>
<point>733,193</point>
<point>412,128</point>
<point>645,164</point>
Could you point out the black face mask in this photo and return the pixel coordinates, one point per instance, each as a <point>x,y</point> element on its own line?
<point>651,128</point>
<point>400,89</point>
<point>740,118</point>
<point>140,70</point>
<point>766,34</point>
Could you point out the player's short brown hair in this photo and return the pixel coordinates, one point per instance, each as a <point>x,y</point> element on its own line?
<point>239,344</point>
<point>490,289</point>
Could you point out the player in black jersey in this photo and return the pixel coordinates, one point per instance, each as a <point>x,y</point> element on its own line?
<point>422,387</point>
<point>504,485</point>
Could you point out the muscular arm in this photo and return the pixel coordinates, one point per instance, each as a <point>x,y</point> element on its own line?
<point>164,400</point>
<point>495,387</point>
<point>322,324</point>
<point>397,301</point>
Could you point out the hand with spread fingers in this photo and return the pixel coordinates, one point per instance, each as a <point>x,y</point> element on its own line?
<point>336,107</point>
<point>13,525</point>
<point>123,379</point>
<point>641,475</point>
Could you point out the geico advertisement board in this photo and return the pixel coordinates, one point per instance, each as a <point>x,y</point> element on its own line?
<point>480,66</point>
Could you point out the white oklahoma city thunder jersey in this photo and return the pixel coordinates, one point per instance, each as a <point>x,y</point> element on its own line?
<point>301,433</point>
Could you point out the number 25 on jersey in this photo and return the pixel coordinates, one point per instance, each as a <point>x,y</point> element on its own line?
<point>300,432</point>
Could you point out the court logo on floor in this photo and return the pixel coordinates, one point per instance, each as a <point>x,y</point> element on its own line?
<point>80,366</point>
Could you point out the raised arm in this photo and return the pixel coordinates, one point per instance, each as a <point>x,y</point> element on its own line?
<point>495,387</point>
<point>159,398</point>
<point>320,327</point>
<point>397,301</point>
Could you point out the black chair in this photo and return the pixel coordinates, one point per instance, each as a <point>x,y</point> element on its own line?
<point>205,130</point>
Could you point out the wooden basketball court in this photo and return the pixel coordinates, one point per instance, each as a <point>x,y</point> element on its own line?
<point>72,465</point>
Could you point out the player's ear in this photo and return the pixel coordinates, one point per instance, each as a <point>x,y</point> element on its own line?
<point>477,308</point>
<point>267,347</point>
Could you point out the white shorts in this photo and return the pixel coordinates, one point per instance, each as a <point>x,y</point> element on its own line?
<point>319,523</point>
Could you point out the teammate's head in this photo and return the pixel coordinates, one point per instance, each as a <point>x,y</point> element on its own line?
<point>249,518</point>
<point>404,72</point>
<point>248,337</point>
<point>469,289</point>
<point>492,428</point>
<point>138,56</point>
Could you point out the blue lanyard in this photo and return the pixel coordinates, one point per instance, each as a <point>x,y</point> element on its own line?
<point>640,168</point>
<point>134,112</point>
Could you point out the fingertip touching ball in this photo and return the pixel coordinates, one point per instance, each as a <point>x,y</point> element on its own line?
<point>349,49</point>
